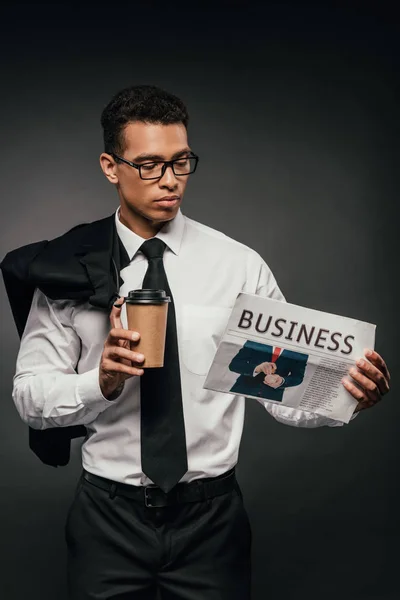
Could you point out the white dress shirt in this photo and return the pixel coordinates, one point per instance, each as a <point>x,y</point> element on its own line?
<point>57,372</point>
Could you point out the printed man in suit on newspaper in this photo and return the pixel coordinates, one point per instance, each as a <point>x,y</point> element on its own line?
<point>266,370</point>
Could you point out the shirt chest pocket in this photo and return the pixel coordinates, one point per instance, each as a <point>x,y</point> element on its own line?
<point>201,330</point>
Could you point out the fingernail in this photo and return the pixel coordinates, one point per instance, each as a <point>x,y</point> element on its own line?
<point>135,335</point>
<point>368,353</point>
<point>360,362</point>
<point>140,357</point>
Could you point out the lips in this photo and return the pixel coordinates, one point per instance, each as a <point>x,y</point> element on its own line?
<point>167,198</point>
<point>168,201</point>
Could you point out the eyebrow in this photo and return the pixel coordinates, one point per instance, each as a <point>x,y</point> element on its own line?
<point>145,156</point>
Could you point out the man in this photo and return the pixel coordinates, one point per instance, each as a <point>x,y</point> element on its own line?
<point>265,371</point>
<point>133,526</point>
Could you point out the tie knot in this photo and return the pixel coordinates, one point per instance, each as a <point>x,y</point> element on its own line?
<point>153,248</point>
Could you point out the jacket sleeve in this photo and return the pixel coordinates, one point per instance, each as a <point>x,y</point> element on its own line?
<point>245,362</point>
<point>15,271</point>
<point>47,390</point>
<point>296,375</point>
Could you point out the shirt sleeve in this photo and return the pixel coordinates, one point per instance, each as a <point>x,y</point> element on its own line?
<point>267,286</point>
<point>47,390</point>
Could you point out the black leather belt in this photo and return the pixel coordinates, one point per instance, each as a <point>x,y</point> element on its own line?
<point>154,497</point>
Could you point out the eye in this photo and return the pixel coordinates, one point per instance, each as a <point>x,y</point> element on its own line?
<point>150,166</point>
<point>181,162</point>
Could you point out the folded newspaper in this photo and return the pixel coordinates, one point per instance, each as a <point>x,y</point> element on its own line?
<point>279,352</point>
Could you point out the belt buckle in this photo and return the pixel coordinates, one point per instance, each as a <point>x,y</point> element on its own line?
<point>150,501</point>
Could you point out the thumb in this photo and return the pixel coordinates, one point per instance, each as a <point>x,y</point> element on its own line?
<point>115,314</point>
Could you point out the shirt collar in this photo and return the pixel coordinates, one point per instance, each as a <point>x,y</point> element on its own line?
<point>171,233</point>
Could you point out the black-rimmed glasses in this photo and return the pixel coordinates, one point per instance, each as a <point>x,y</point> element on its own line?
<point>156,169</point>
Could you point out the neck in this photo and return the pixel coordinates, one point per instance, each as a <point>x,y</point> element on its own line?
<point>139,224</point>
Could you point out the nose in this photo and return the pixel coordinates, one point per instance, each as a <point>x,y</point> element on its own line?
<point>169,178</point>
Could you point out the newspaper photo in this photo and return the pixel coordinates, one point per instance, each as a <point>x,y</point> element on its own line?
<point>280,352</point>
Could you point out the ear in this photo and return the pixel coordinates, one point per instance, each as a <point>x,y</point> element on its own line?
<point>109,167</point>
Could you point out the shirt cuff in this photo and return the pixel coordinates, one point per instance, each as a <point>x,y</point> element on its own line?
<point>89,391</point>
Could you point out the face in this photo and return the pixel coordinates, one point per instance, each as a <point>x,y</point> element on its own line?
<point>141,199</point>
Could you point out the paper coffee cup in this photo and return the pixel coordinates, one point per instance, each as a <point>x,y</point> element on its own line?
<point>147,312</point>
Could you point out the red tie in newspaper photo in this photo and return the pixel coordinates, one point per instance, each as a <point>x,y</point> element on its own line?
<point>276,353</point>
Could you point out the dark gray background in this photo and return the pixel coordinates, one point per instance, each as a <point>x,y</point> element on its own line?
<point>294,113</point>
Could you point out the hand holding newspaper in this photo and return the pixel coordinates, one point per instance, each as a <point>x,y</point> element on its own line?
<point>297,356</point>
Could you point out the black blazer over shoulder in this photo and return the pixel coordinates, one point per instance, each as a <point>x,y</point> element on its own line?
<point>83,264</point>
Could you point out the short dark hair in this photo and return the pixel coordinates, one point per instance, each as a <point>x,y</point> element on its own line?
<point>145,103</point>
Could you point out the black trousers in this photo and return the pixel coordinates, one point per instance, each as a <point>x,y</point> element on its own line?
<point>119,549</point>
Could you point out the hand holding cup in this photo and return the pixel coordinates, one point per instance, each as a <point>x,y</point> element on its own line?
<point>118,362</point>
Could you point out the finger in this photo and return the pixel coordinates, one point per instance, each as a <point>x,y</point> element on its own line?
<point>119,301</point>
<point>369,387</point>
<point>354,390</point>
<point>374,374</point>
<point>116,334</point>
<point>119,352</point>
<point>115,313</point>
<point>111,366</point>
<point>363,401</point>
<point>378,361</point>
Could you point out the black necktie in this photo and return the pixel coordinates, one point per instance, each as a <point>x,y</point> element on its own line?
<point>163,439</point>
